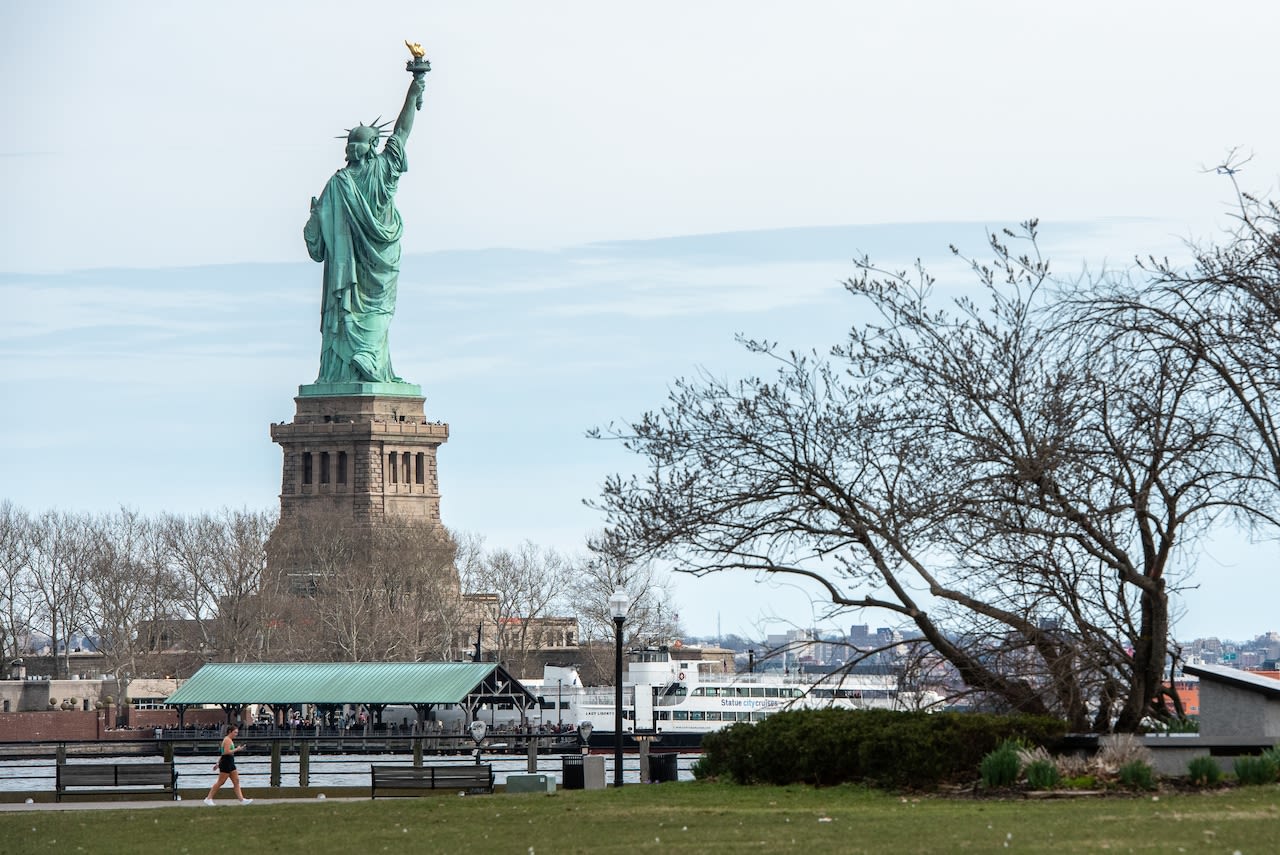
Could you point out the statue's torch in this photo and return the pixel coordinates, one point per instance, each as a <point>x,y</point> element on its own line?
<point>418,66</point>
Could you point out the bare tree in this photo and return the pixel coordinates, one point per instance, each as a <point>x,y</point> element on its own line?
<point>62,551</point>
<point>363,593</point>
<point>521,588</point>
<point>651,618</point>
<point>16,607</point>
<point>189,546</point>
<point>1009,482</point>
<point>425,614</point>
<point>218,561</point>
<point>1220,314</point>
<point>238,564</point>
<point>1223,311</point>
<point>126,589</point>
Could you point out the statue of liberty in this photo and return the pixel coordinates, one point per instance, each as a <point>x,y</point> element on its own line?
<point>355,230</point>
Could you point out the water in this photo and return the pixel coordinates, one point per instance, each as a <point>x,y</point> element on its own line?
<point>327,770</point>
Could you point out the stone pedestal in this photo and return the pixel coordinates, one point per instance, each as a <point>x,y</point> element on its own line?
<point>361,452</point>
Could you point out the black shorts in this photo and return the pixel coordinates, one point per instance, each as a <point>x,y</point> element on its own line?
<point>226,763</point>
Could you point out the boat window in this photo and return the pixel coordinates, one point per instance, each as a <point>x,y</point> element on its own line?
<point>744,692</point>
<point>757,691</point>
<point>771,692</point>
<point>680,715</point>
<point>664,715</point>
<point>699,692</point>
<point>713,716</point>
<point>695,715</point>
<point>647,656</point>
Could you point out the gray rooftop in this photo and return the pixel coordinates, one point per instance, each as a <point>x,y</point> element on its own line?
<point>1235,677</point>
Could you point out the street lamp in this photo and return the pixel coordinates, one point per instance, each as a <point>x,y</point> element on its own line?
<point>619,601</point>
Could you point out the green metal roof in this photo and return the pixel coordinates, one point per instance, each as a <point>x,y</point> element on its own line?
<point>343,683</point>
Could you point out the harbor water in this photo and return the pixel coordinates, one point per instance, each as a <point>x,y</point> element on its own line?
<point>326,770</point>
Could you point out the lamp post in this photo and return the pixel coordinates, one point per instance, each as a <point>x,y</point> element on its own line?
<point>618,604</point>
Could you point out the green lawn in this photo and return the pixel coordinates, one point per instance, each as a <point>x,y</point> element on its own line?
<point>684,817</point>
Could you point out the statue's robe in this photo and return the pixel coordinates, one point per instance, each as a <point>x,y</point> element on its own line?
<point>355,230</point>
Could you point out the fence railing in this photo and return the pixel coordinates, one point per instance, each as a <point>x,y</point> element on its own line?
<point>283,760</point>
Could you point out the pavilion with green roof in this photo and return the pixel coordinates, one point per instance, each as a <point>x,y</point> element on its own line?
<point>374,685</point>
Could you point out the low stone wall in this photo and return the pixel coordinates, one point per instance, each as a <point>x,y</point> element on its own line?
<point>1171,753</point>
<point>55,725</point>
<point>32,695</point>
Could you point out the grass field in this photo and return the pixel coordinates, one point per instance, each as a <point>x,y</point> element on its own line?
<point>683,817</point>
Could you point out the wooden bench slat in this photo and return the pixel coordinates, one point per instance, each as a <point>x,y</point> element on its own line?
<point>90,777</point>
<point>126,776</point>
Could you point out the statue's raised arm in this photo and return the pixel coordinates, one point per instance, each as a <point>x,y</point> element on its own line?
<point>412,103</point>
<point>355,230</point>
<point>418,67</point>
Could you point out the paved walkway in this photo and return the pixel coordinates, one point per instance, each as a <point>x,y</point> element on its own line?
<point>154,804</point>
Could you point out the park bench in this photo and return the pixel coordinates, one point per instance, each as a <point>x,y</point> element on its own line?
<point>92,779</point>
<point>403,780</point>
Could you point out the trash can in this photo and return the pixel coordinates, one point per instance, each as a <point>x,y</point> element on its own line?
<point>572,772</point>
<point>662,767</point>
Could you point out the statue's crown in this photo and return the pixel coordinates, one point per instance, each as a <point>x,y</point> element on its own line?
<point>372,131</point>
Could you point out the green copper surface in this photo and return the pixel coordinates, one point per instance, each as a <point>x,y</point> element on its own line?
<point>329,390</point>
<point>355,230</point>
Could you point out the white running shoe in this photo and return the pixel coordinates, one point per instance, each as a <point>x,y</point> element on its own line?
<point>209,802</point>
<point>246,801</point>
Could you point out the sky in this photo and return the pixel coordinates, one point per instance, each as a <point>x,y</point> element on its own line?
<point>599,197</point>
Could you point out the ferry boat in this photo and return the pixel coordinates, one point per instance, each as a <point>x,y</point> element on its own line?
<point>676,701</point>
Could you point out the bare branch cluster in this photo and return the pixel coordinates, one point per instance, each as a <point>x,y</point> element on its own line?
<point>140,587</point>
<point>1022,476</point>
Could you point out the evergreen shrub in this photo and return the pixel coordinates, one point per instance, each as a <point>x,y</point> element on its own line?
<point>1000,768</point>
<point>1251,771</point>
<point>1137,775</point>
<point>880,747</point>
<point>1204,771</point>
<point>1043,775</point>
